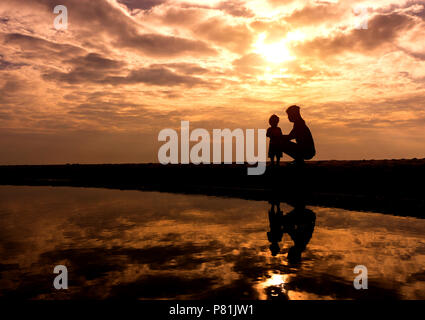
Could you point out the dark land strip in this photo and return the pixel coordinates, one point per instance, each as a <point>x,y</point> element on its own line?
<point>387,186</point>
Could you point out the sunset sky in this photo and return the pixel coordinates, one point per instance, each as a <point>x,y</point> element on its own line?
<point>100,91</point>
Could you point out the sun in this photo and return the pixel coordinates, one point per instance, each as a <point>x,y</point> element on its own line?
<point>275,52</point>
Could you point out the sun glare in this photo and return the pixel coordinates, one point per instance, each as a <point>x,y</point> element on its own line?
<point>295,36</point>
<point>275,52</point>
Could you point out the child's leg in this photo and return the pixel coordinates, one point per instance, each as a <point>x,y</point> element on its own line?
<point>272,160</point>
<point>277,160</point>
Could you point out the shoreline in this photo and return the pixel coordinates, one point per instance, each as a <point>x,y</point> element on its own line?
<point>384,186</point>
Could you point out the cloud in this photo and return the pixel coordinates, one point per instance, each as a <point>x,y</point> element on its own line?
<point>152,75</point>
<point>139,66</point>
<point>31,47</point>
<point>315,14</point>
<point>141,4</point>
<point>179,16</point>
<point>184,67</point>
<point>85,69</point>
<point>383,30</point>
<point>251,63</point>
<point>235,8</point>
<point>155,76</point>
<point>275,29</point>
<point>95,61</point>
<point>8,65</point>
<point>280,2</point>
<point>156,45</point>
<point>99,20</point>
<point>237,38</point>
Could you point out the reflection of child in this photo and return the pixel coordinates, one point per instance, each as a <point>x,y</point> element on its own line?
<point>275,234</point>
<point>275,134</point>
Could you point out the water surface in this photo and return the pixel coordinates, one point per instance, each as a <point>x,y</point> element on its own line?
<point>150,245</point>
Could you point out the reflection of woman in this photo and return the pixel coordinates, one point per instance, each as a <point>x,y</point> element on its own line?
<point>299,224</point>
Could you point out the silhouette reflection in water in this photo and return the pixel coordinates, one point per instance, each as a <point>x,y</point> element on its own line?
<point>298,224</point>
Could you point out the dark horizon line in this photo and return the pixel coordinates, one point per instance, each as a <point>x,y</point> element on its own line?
<point>208,164</point>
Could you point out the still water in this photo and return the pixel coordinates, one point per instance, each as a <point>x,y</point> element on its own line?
<point>150,245</point>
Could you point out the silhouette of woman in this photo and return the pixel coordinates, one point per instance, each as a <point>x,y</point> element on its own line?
<point>304,148</point>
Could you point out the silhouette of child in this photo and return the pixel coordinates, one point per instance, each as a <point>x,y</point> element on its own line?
<point>275,134</point>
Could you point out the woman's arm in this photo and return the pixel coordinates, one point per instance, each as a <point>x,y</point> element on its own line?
<point>291,135</point>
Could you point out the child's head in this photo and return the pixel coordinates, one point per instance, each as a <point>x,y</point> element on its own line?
<point>274,120</point>
<point>293,113</point>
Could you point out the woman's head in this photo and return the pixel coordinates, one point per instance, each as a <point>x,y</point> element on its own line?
<point>274,120</point>
<point>293,113</point>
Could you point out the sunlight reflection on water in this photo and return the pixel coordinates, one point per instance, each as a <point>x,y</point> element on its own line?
<point>150,245</point>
